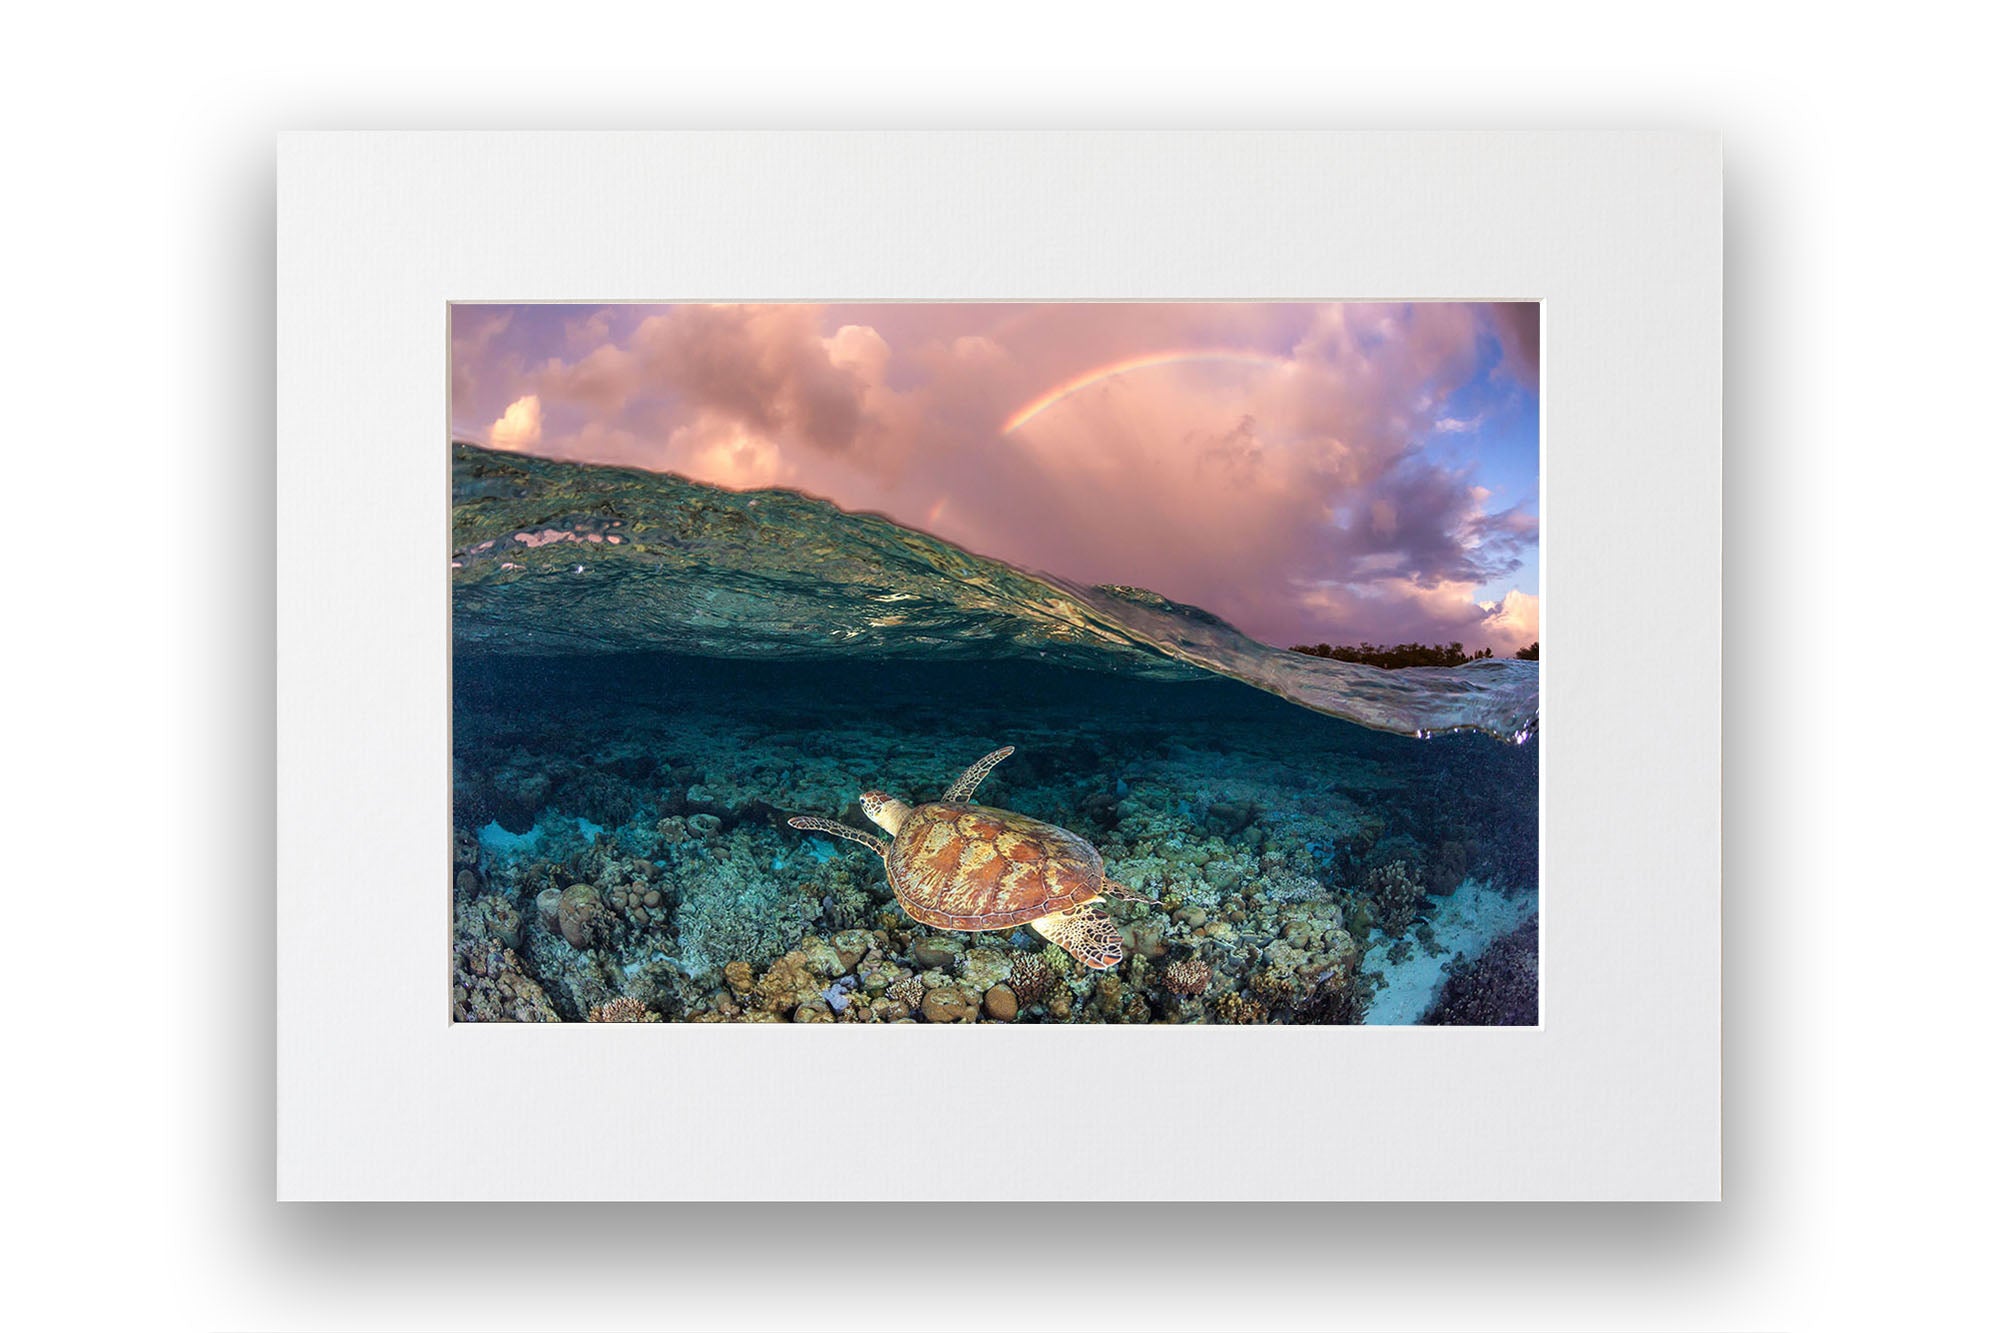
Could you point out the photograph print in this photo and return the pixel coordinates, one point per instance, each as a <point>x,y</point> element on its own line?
<point>995,663</point>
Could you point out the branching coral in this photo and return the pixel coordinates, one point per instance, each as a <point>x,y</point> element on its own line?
<point>1274,988</point>
<point>624,1009</point>
<point>1188,976</point>
<point>1284,886</point>
<point>1030,980</point>
<point>1233,1008</point>
<point>731,908</point>
<point>1108,995</point>
<point>1398,896</point>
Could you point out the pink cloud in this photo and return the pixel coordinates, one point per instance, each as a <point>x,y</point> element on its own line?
<point>767,366</point>
<point>1519,327</point>
<point>602,379</point>
<point>1284,493</point>
<point>474,330</point>
<point>520,426</point>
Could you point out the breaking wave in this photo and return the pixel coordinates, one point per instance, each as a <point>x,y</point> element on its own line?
<point>553,557</point>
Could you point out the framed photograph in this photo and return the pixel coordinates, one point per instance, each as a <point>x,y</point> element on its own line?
<point>931,627</point>
<point>734,585</point>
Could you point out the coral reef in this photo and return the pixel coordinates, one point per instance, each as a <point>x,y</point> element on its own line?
<point>1500,988</point>
<point>1398,897</point>
<point>1231,1007</point>
<point>613,858</point>
<point>624,1009</point>
<point>1188,976</point>
<point>489,985</point>
<point>582,917</point>
<point>733,907</point>
<point>492,917</point>
<point>948,1004</point>
<point>1031,979</point>
<point>907,992</point>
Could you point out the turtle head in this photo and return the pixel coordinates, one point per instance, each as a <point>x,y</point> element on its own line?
<point>885,810</point>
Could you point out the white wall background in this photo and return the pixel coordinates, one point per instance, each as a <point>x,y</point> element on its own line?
<point>138,341</point>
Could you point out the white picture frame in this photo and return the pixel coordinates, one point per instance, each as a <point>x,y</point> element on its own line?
<point>1615,1096</point>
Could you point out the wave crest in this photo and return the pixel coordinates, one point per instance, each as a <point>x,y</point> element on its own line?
<point>559,557</point>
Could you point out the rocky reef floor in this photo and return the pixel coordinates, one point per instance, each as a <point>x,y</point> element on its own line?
<point>620,850</point>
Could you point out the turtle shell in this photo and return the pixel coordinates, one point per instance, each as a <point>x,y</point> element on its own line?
<point>971,867</point>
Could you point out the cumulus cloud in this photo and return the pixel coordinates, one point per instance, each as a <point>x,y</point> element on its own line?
<point>602,379</point>
<point>1518,325</point>
<point>520,426</point>
<point>1515,621</point>
<point>1284,486</point>
<point>721,452</point>
<point>474,331</point>
<point>1400,610</point>
<point>767,366</point>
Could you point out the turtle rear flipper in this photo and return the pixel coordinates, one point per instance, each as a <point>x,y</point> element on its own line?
<point>1085,933</point>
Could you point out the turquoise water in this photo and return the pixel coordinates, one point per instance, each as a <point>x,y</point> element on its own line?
<point>651,677</point>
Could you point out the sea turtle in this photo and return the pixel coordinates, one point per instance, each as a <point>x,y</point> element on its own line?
<point>960,866</point>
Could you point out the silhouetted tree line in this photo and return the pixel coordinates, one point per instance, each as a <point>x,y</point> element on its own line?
<point>1401,655</point>
<point>1532,653</point>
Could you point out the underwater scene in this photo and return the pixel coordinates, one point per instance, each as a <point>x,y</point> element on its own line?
<point>738,754</point>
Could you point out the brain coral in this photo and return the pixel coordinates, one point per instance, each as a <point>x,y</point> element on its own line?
<point>492,917</point>
<point>586,922</point>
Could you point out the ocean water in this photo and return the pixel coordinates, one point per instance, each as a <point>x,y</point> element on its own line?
<point>651,677</point>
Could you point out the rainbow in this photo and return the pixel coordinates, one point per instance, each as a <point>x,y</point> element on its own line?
<point>1029,411</point>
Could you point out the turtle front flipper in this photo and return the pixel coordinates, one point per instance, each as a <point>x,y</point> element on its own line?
<point>1085,933</point>
<point>1111,888</point>
<point>969,780</point>
<point>815,823</point>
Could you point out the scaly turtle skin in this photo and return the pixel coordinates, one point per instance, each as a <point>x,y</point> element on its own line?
<point>959,866</point>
